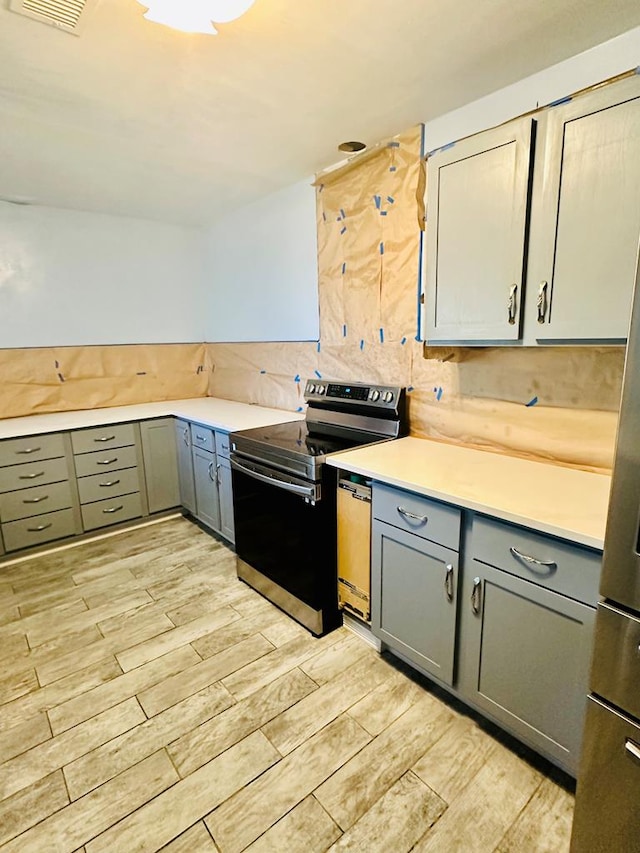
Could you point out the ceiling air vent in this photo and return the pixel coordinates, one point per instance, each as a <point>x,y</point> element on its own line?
<point>67,15</point>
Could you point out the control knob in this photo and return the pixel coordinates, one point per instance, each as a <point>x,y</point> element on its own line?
<point>387,396</point>
<point>375,395</point>
<point>320,389</point>
<point>311,389</point>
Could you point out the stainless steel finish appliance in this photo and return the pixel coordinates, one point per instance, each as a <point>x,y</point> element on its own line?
<point>284,496</point>
<point>607,814</point>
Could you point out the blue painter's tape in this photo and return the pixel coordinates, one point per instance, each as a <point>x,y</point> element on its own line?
<point>263,371</point>
<point>560,101</point>
<point>344,331</point>
<point>318,374</point>
<point>383,213</point>
<point>381,336</point>
<point>343,214</point>
<point>296,378</point>
<point>344,228</point>
<point>318,346</point>
<point>299,409</point>
<point>361,345</point>
<point>439,393</point>
<point>403,341</point>
<point>299,442</point>
<point>637,71</point>
<point>410,388</point>
<point>434,390</point>
<point>344,267</point>
<point>377,200</point>
<point>393,145</point>
<point>392,169</point>
<point>382,248</point>
<point>446,147</point>
<point>338,218</point>
<point>532,402</point>
<point>391,199</point>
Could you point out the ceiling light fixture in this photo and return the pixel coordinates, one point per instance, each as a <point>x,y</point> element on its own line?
<point>194,16</point>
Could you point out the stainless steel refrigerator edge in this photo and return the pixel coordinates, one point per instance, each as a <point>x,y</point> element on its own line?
<point>607,813</point>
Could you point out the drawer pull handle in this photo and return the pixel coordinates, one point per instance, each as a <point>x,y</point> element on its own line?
<point>421,518</point>
<point>31,476</point>
<point>35,500</point>
<point>531,561</point>
<point>105,438</point>
<point>185,436</point>
<point>632,748</point>
<point>28,450</point>
<point>475,595</point>
<point>113,509</point>
<point>448,582</point>
<point>39,528</point>
<point>107,461</point>
<point>201,437</point>
<point>110,483</point>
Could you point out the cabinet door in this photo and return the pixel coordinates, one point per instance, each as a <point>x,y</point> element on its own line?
<point>528,652</point>
<point>160,463</point>
<point>584,239</point>
<point>477,218</point>
<point>207,501</point>
<point>185,466</point>
<point>225,490</point>
<point>413,598</point>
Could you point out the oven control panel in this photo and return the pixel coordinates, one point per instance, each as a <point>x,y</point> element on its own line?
<point>383,396</point>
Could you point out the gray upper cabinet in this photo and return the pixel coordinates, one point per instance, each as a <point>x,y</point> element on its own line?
<point>537,245</point>
<point>185,466</point>
<point>477,207</point>
<point>586,217</point>
<point>160,464</point>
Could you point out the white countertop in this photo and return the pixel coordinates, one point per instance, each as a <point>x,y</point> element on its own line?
<point>224,415</point>
<point>560,501</point>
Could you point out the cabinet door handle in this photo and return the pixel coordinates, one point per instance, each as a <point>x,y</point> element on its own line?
<point>110,483</point>
<point>211,471</point>
<point>185,435</point>
<point>30,476</point>
<point>531,561</point>
<point>107,461</point>
<point>113,509</point>
<point>105,438</point>
<point>632,748</point>
<point>422,518</point>
<point>28,450</point>
<point>475,595</point>
<point>542,303</point>
<point>39,528</point>
<point>512,305</point>
<point>448,581</point>
<point>35,500</point>
<point>218,474</point>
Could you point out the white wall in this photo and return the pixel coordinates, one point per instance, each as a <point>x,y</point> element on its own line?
<point>261,270</point>
<point>586,69</point>
<point>74,278</point>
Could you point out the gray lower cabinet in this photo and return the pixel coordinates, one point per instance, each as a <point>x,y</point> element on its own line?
<point>225,491</point>
<point>206,487</point>
<point>185,465</point>
<point>414,607</point>
<point>159,451</point>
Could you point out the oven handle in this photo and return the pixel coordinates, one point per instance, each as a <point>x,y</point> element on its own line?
<point>302,491</point>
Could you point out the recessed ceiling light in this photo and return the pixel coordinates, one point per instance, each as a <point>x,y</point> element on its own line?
<point>351,146</point>
<point>194,16</point>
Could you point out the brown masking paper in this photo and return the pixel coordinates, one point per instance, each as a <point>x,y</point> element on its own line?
<point>60,379</point>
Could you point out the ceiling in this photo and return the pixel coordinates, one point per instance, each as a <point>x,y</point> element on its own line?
<point>132,118</point>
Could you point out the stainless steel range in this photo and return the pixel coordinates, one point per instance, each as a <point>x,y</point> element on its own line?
<point>284,496</point>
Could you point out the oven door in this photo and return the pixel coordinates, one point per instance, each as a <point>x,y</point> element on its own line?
<point>286,541</point>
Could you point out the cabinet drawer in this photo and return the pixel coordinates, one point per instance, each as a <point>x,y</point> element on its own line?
<point>416,514</point>
<point>33,531</point>
<point>105,460</point>
<point>35,501</point>
<point>105,486</point>
<point>617,639</point>
<point>97,438</point>
<point>30,449</point>
<point>33,474</point>
<point>111,511</point>
<point>222,444</point>
<point>549,562</point>
<point>202,437</point>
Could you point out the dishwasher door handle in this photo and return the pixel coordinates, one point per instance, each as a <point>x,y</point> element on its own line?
<point>308,492</point>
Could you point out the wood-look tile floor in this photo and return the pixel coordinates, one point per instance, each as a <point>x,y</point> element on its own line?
<point>151,701</point>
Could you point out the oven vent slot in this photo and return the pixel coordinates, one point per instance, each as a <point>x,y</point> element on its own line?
<point>66,15</point>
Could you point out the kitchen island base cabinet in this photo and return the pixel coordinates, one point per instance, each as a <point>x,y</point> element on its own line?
<point>420,625</point>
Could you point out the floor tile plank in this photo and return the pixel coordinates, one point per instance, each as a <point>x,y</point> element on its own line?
<point>23,736</point>
<point>29,806</point>
<point>544,825</point>
<point>194,840</point>
<point>306,827</point>
<point>386,703</point>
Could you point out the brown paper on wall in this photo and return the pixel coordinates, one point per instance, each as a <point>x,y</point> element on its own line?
<point>57,379</point>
